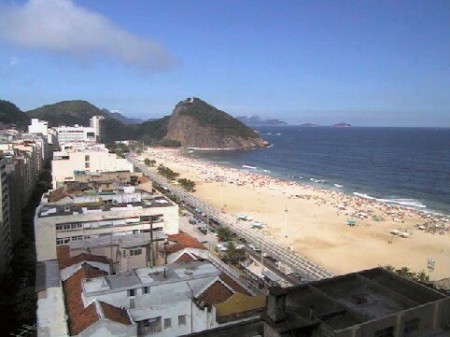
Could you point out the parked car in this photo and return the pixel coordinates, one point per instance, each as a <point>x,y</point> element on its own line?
<point>253,247</point>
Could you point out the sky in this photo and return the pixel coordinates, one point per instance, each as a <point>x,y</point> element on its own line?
<point>368,63</point>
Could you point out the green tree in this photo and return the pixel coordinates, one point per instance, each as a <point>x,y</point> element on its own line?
<point>405,272</point>
<point>187,184</point>
<point>390,268</point>
<point>422,276</point>
<point>224,234</point>
<point>233,255</point>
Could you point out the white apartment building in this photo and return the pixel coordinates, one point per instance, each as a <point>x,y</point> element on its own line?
<point>63,217</point>
<point>77,133</point>
<point>80,134</point>
<point>96,124</point>
<point>65,165</point>
<point>38,126</point>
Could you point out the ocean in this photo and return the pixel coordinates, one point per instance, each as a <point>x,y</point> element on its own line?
<point>409,167</point>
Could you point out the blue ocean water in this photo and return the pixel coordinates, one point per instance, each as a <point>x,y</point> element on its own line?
<point>404,166</point>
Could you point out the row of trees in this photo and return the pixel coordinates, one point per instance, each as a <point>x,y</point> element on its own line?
<point>421,276</point>
<point>187,184</point>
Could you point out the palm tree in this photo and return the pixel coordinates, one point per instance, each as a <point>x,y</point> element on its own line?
<point>405,272</point>
<point>422,276</point>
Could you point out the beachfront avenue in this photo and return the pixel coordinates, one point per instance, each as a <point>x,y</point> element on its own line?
<point>308,270</point>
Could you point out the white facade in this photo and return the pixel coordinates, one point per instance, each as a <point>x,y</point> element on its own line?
<point>117,213</point>
<point>96,124</point>
<point>65,165</point>
<point>38,126</point>
<point>71,134</point>
<point>160,299</point>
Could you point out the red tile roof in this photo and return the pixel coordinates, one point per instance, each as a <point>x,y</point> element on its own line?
<point>65,260</point>
<point>185,257</point>
<point>215,293</point>
<point>115,314</point>
<point>79,317</point>
<point>219,292</point>
<point>233,284</point>
<point>57,195</point>
<point>183,240</point>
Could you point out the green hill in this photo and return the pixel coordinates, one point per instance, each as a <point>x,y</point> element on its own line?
<point>66,113</point>
<point>11,114</point>
<point>192,123</point>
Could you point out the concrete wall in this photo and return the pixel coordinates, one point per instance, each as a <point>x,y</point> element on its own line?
<point>106,327</point>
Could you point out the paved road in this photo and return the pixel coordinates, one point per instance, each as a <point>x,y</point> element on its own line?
<point>308,270</point>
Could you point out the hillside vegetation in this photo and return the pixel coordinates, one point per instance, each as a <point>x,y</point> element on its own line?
<point>192,123</point>
<point>11,114</point>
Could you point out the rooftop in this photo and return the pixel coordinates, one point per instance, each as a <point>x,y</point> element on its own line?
<point>63,202</point>
<point>351,299</point>
<point>149,277</point>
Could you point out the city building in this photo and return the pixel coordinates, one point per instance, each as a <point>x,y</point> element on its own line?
<point>95,159</point>
<point>6,242</point>
<point>78,133</point>
<point>97,125</point>
<point>79,211</point>
<point>369,303</point>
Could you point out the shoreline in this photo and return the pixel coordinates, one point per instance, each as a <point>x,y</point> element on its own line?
<point>314,221</point>
<point>320,184</point>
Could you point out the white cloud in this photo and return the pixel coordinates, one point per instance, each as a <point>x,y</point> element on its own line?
<point>62,26</point>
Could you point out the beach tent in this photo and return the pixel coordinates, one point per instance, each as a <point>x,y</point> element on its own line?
<point>351,222</point>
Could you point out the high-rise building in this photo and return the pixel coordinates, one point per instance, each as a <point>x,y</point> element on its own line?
<point>97,125</point>
<point>6,242</point>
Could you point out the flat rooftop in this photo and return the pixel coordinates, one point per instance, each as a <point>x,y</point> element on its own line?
<point>49,210</point>
<point>352,299</point>
<point>149,277</point>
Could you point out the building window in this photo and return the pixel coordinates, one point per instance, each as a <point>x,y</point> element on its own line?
<point>387,332</point>
<point>86,158</point>
<point>59,241</point>
<point>59,227</point>
<point>411,326</point>
<point>77,238</point>
<point>167,323</point>
<point>134,252</point>
<point>149,325</point>
<point>76,225</point>
<point>131,292</point>
<point>66,226</point>
<point>86,165</point>
<point>182,320</point>
<point>146,290</point>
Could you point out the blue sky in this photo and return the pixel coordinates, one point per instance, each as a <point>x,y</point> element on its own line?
<point>373,63</point>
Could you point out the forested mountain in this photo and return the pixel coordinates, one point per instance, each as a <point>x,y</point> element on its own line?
<point>193,123</point>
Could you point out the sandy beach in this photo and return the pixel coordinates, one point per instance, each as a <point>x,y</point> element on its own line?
<point>314,222</point>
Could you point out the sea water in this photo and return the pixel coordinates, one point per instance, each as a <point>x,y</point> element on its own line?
<point>409,167</point>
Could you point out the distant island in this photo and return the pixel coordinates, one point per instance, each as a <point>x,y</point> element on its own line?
<point>257,121</point>
<point>342,125</point>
